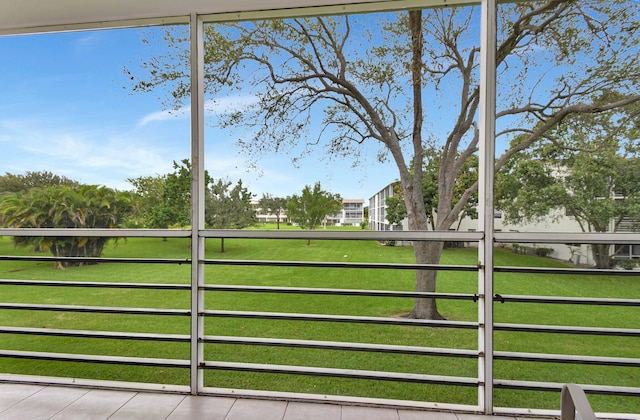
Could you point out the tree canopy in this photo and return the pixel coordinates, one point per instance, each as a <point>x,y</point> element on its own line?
<point>273,205</point>
<point>228,207</point>
<point>396,211</point>
<point>370,77</point>
<point>593,175</point>
<point>66,206</point>
<point>165,200</point>
<point>311,208</point>
<point>13,183</point>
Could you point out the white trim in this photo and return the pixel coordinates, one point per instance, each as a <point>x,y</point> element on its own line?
<point>197,200</point>
<point>34,16</point>
<point>488,36</point>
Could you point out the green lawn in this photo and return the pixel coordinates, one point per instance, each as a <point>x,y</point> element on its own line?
<point>457,282</point>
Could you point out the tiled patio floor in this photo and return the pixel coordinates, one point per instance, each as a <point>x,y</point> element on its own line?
<point>27,402</point>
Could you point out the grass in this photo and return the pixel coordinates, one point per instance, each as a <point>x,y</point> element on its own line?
<point>297,250</point>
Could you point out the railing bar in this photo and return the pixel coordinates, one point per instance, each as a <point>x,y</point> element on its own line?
<point>579,271</point>
<point>76,382</point>
<point>500,237</point>
<point>562,358</point>
<point>116,233</point>
<point>96,260</point>
<point>117,360</point>
<point>336,345</point>
<point>556,387</point>
<point>324,264</point>
<point>95,334</point>
<point>566,300</point>
<point>567,237</point>
<point>339,318</point>
<point>414,235</point>
<point>618,332</point>
<point>339,292</point>
<point>341,373</point>
<point>95,309</point>
<point>92,284</point>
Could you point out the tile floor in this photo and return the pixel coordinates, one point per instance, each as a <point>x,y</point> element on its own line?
<point>28,402</point>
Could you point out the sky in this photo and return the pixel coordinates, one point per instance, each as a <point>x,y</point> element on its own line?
<point>66,106</point>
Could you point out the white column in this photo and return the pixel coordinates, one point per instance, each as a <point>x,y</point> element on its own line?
<point>197,199</point>
<point>488,30</point>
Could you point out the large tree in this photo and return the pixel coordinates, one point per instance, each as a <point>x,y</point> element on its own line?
<point>165,200</point>
<point>228,207</point>
<point>596,180</point>
<point>64,206</point>
<point>311,208</point>
<point>270,204</point>
<point>149,193</point>
<point>370,75</point>
<point>12,183</point>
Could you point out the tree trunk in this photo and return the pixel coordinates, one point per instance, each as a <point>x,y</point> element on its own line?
<point>426,253</point>
<point>222,245</point>
<point>601,255</point>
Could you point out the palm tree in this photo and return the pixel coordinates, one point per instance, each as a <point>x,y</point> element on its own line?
<point>64,206</point>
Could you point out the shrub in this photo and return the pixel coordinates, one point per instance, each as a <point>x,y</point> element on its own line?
<point>543,252</point>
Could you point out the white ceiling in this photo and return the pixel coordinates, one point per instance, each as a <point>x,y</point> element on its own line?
<point>23,16</point>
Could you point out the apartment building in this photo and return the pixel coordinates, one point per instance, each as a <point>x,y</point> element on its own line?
<point>352,213</point>
<point>558,220</point>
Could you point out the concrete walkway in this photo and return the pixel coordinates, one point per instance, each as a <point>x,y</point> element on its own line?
<point>27,402</point>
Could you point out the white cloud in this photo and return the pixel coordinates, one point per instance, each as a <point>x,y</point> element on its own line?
<point>89,156</point>
<point>217,106</point>
<point>180,113</point>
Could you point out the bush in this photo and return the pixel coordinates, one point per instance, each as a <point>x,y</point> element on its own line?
<point>543,252</point>
<point>627,264</point>
<point>531,250</point>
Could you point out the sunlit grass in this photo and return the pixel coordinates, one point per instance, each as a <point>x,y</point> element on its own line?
<point>337,251</point>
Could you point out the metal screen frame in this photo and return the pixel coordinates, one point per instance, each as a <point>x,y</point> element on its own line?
<point>486,237</point>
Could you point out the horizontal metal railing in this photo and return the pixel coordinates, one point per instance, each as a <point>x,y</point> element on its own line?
<point>342,373</point>
<point>285,316</point>
<point>330,264</point>
<point>554,238</point>
<point>85,358</point>
<point>306,317</point>
<point>176,338</point>
<point>96,285</point>
<point>95,309</point>
<point>95,260</point>
<point>342,346</point>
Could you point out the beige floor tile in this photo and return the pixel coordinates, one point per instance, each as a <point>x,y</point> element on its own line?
<point>210,408</point>
<point>312,411</point>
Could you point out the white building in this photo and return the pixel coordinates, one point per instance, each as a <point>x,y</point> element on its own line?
<point>378,210</point>
<point>557,221</point>
<point>267,217</point>
<point>352,213</point>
